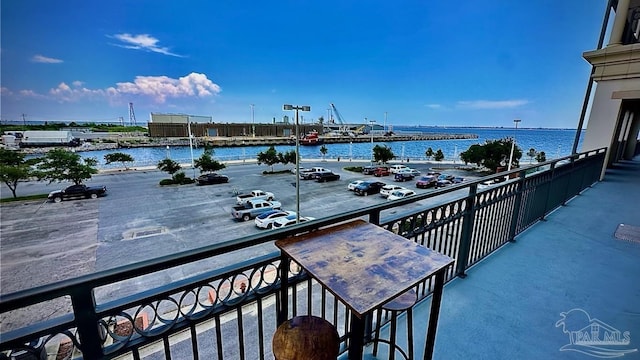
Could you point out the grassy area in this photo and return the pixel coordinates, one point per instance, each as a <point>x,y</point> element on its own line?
<point>58,126</point>
<point>24,198</point>
<point>357,169</point>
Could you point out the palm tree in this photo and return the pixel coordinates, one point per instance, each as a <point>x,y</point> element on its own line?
<point>323,151</point>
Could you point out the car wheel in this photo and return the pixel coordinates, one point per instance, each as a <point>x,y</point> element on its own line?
<point>246,217</point>
<point>270,198</point>
<point>94,196</point>
<point>57,199</point>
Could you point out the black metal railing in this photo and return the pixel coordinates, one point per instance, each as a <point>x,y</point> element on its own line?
<point>231,312</point>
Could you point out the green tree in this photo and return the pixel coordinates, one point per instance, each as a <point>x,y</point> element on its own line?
<point>323,151</point>
<point>439,156</point>
<point>321,120</point>
<point>206,162</point>
<point>64,165</point>
<point>288,157</point>
<point>382,154</point>
<point>270,157</point>
<point>13,168</point>
<point>492,154</point>
<point>170,166</point>
<point>541,157</point>
<point>531,154</point>
<point>119,157</point>
<point>429,153</point>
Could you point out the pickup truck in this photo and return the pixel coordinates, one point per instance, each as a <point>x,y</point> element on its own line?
<point>254,195</point>
<point>313,173</point>
<point>253,208</point>
<point>77,192</point>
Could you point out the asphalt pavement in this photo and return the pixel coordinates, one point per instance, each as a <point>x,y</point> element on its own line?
<point>43,242</point>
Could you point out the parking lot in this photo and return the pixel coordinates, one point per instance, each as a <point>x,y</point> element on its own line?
<point>44,242</point>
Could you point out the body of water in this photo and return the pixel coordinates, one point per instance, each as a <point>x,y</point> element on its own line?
<point>554,142</point>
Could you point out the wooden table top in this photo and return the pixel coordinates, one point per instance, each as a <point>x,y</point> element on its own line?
<point>363,264</point>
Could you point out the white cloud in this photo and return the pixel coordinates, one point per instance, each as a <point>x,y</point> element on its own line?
<point>433,106</point>
<point>45,60</point>
<point>489,104</point>
<point>156,88</point>
<point>159,88</point>
<point>144,42</point>
<point>65,93</point>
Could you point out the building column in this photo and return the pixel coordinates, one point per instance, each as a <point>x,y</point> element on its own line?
<point>619,23</point>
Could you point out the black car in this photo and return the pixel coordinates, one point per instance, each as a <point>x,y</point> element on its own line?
<point>213,178</point>
<point>403,176</point>
<point>369,187</point>
<point>327,176</point>
<point>77,192</point>
<point>369,170</point>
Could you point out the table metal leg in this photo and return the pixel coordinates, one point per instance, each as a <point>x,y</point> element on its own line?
<point>283,311</point>
<point>436,299</point>
<point>356,338</point>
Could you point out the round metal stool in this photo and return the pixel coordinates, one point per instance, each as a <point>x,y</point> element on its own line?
<point>306,338</point>
<point>403,302</point>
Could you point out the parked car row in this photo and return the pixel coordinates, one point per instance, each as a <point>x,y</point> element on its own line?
<point>388,191</point>
<point>318,174</point>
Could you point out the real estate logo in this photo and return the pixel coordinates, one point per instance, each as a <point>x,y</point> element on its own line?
<point>593,337</point>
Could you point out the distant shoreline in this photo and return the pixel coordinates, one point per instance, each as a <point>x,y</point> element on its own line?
<point>41,122</point>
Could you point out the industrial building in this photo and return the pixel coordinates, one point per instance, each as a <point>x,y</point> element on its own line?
<point>177,125</point>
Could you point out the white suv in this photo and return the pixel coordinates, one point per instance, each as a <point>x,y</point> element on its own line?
<point>397,168</point>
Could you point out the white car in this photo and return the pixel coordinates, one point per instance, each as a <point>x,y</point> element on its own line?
<point>289,220</point>
<point>386,190</point>
<point>266,219</point>
<point>486,184</point>
<point>352,185</point>
<point>401,194</point>
<point>396,168</point>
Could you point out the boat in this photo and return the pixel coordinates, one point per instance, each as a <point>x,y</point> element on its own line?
<point>311,138</point>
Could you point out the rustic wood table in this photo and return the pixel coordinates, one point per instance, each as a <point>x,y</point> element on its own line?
<point>365,266</point>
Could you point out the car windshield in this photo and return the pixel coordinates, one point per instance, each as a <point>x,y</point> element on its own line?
<point>265,215</point>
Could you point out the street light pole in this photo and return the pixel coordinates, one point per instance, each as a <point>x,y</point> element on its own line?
<point>371,122</point>
<point>513,144</point>
<point>253,125</point>
<point>297,108</point>
<point>191,147</point>
<point>385,122</point>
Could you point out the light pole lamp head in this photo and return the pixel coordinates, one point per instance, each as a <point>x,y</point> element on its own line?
<point>305,108</point>
<point>287,107</point>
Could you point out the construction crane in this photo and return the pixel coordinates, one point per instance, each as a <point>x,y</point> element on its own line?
<point>343,126</point>
<point>132,115</point>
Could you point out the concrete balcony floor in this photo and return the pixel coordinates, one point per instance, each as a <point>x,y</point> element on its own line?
<point>510,304</point>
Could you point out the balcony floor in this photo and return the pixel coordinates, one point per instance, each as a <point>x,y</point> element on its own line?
<point>510,303</point>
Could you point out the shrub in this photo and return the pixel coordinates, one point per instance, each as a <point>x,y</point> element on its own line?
<point>357,169</point>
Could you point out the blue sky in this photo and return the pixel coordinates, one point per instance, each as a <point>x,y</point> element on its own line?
<point>464,63</point>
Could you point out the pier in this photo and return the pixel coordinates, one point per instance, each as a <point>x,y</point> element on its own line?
<point>279,140</point>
